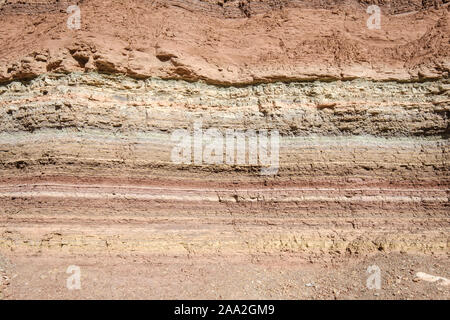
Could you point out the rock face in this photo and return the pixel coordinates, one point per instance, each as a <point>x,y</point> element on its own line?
<point>358,107</point>
<point>204,40</point>
<point>344,150</point>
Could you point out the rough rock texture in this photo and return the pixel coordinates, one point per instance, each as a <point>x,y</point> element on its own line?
<point>194,40</point>
<point>357,107</point>
<point>87,175</point>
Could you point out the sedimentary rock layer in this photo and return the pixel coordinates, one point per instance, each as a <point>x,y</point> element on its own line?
<point>107,132</point>
<point>357,160</point>
<point>238,42</point>
<point>358,107</point>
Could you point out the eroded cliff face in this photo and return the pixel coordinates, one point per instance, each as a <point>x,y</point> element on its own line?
<point>121,104</point>
<point>89,121</point>
<point>197,40</point>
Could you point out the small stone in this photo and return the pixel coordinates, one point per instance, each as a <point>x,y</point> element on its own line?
<point>41,57</point>
<point>27,60</point>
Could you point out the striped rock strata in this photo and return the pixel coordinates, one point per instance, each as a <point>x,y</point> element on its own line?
<point>91,122</point>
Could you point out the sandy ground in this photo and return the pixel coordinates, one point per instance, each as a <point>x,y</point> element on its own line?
<point>284,276</point>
